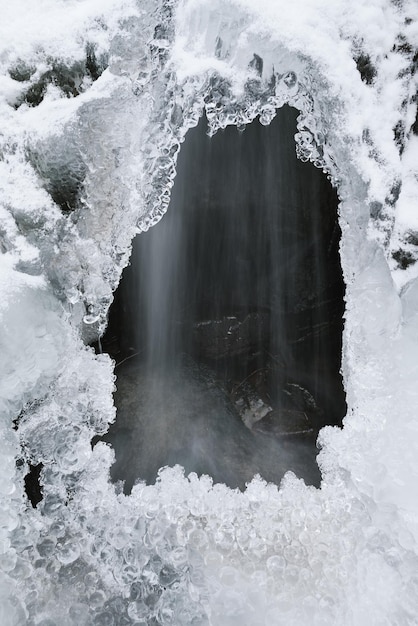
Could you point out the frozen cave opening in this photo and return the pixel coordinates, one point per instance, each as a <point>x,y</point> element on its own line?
<point>227,325</point>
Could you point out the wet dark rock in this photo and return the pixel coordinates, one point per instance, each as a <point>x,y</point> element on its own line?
<point>403,258</point>
<point>293,411</point>
<point>257,64</point>
<point>218,47</point>
<point>230,336</point>
<point>399,133</point>
<point>67,79</point>
<point>394,193</point>
<point>376,209</point>
<point>301,399</point>
<point>95,65</point>
<point>412,238</point>
<point>365,67</point>
<point>70,79</point>
<point>22,72</point>
<point>249,404</point>
<point>285,423</point>
<point>414,126</point>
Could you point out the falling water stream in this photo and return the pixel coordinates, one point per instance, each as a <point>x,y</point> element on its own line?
<point>227,325</point>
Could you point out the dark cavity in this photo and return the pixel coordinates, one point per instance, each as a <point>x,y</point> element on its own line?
<point>227,324</point>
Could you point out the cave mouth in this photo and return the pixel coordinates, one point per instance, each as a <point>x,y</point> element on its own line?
<point>227,326</point>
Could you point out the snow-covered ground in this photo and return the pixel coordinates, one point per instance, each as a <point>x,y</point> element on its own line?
<point>95,101</point>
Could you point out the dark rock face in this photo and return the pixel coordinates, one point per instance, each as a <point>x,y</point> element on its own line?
<point>243,275</point>
<point>230,336</point>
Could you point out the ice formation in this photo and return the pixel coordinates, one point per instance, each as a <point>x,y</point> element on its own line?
<point>96,99</point>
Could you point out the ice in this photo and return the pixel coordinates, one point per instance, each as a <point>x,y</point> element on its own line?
<point>185,551</point>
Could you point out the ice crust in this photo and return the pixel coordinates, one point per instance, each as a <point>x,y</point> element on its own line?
<point>183,551</point>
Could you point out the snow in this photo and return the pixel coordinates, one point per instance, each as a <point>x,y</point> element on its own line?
<point>61,28</point>
<point>183,549</point>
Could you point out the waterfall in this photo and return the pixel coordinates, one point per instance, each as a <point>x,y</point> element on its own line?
<point>103,139</point>
<point>241,276</point>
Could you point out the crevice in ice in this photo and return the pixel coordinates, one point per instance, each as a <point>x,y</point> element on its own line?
<point>33,486</point>
<point>414,126</point>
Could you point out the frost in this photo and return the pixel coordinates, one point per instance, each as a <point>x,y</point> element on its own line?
<point>89,162</point>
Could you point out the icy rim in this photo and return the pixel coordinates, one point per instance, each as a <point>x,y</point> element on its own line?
<point>95,100</point>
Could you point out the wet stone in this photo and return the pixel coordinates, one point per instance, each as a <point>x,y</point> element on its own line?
<point>230,336</point>
<point>284,423</point>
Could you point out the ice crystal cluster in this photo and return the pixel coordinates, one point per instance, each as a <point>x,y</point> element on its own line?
<point>96,99</point>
